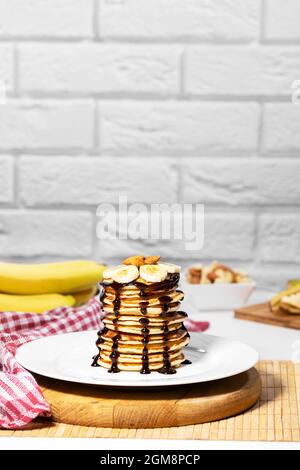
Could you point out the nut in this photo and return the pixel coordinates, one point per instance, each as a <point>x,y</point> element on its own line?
<point>135,261</point>
<point>194,275</point>
<point>152,259</point>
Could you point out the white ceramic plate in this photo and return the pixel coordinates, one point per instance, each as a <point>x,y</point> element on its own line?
<point>215,296</point>
<point>69,356</point>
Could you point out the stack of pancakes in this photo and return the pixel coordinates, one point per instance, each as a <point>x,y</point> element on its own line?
<point>144,328</point>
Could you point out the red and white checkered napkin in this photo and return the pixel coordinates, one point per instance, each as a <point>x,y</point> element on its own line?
<point>21,399</point>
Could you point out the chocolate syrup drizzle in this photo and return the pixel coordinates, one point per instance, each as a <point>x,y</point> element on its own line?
<point>145,357</point>
<point>115,346</point>
<point>167,368</point>
<point>165,302</point>
<point>115,355</point>
<point>99,341</point>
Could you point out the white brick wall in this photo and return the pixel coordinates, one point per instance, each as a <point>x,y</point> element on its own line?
<point>252,181</point>
<point>282,20</point>
<point>227,236</point>
<point>46,19</point>
<point>172,127</point>
<point>49,233</point>
<point>162,101</point>
<point>46,124</point>
<point>205,20</point>
<point>240,70</point>
<point>53,68</point>
<point>281,124</point>
<point>46,181</point>
<point>6,179</point>
<point>7,66</point>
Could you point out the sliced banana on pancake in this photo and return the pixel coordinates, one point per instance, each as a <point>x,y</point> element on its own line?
<point>153,272</point>
<point>171,268</point>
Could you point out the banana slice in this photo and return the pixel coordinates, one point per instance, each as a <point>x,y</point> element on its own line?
<point>153,272</point>
<point>107,274</point>
<point>124,273</point>
<point>293,300</point>
<point>171,268</point>
<point>292,290</point>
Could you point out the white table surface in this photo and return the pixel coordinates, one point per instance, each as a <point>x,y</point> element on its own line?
<point>271,342</point>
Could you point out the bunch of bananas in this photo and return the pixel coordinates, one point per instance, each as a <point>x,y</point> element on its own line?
<point>40,287</point>
<point>288,301</point>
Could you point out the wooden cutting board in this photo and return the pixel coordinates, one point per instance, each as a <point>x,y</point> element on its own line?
<point>152,408</point>
<point>262,313</point>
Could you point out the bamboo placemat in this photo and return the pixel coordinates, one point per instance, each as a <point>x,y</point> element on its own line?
<point>276,417</point>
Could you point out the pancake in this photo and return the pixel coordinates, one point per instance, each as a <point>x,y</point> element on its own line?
<point>143,325</point>
<point>138,330</point>
<point>152,299</point>
<point>173,307</point>
<point>129,338</point>
<point>139,320</point>
<point>154,366</point>
<point>153,347</point>
<point>127,358</point>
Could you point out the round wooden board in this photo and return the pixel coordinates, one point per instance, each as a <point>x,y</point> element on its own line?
<point>86,405</point>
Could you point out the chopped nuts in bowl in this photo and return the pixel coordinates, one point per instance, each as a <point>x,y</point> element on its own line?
<point>216,273</point>
<point>216,287</point>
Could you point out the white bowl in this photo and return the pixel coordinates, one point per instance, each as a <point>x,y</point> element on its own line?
<point>215,296</point>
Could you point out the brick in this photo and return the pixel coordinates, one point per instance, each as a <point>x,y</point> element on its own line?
<point>279,236</point>
<point>146,127</point>
<point>83,180</point>
<point>226,236</point>
<point>6,179</point>
<point>236,70</point>
<point>46,124</point>
<point>6,68</point>
<point>98,68</point>
<point>46,18</point>
<point>35,233</point>
<point>247,181</point>
<point>281,127</point>
<point>282,20</point>
<point>175,19</point>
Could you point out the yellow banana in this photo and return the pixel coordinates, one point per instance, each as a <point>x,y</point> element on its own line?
<point>64,277</point>
<point>34,303</point>
<point>83,296</point>
<point>275,301</point>
<point>293,282</point>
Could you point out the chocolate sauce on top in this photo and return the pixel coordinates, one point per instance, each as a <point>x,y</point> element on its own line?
<point>145,289</point>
